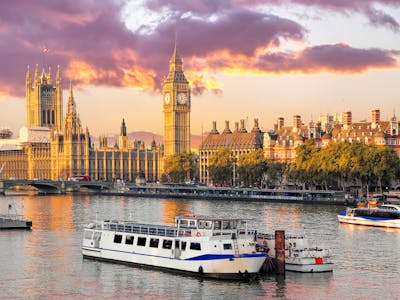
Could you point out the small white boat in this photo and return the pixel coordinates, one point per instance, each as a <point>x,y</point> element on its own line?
<point>204,246</point>
<point>14,220</point>
<point>385,215</point>
<point>300,254</point>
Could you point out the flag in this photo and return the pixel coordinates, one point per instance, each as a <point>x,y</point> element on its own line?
<point>45,49</point>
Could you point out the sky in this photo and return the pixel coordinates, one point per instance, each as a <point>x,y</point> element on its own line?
<point>244,59</point>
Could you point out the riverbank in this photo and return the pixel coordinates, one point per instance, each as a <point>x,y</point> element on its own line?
<point>237,194</point>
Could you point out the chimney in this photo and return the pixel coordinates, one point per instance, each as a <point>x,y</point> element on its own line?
<point>227,130</point>
<point>346,118</point>
<point>242,128</point>
<point>214,130</point>
<point>236,126</point>
<point>281,122</point>
<point>376,118</point>
<point>255,127</point>
<point>296,121</point>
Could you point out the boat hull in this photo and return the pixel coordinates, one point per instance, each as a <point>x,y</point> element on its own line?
<point>376,222</point>
<point>14,224</point>
<point>308,265</point>
<point>228,267</point>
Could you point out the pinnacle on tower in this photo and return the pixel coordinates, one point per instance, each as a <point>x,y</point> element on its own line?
<point>49,77</point>
<point>37,75</point>
<point>28,76</point>
<point>71,102</point>
<point>123,128</point>
<point>58,74</point>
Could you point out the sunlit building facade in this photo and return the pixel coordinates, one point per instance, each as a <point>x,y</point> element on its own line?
<point>240,141</point>
<point>53,146</point>
<point>281,143</point>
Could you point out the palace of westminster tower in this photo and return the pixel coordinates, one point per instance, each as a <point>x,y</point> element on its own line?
<point>176,104</point>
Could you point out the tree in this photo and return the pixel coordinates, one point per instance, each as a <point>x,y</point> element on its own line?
<point>251,167</point>
<point>220,167</point>
<point>180,167</point>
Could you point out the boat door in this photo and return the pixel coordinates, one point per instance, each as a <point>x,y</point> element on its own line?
<point>177,250</point>
<point>97,238</point>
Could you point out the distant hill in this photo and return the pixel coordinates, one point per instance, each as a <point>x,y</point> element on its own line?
<point>147,138</point>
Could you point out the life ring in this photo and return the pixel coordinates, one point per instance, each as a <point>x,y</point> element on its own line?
<point>198,233</point>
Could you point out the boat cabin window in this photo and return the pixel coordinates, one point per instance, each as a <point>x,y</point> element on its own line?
<point>129,240</point>
<point>167,244</point>
<point>187,223</point>
<point>118,238</point>
<point>226,225</point>
<point>205,224</point>
<point>195,246</point>
<point>183,246</point>
<point>217,224</point>
<point>154,243</point>
<point>141,241</point>
<point>88,235</point>
<point>227,246</point>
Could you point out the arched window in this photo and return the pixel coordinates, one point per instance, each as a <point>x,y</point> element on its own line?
<point>43,117</point>
<point>52,117</point>
<point>48,116</point>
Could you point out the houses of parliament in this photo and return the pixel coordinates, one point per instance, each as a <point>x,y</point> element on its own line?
<point>56,146</point>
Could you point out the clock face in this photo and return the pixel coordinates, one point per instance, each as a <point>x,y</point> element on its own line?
<point>166,98</point>
<point>182,98</point>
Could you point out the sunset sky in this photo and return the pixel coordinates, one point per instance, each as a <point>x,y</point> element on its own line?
<point>243,58</point>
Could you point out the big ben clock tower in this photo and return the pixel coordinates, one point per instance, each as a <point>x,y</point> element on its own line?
<point>176,104</point>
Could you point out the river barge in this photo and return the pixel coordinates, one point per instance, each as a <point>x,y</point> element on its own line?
<point>221,248</point>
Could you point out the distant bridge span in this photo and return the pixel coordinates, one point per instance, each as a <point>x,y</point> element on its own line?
<point>54,187</point>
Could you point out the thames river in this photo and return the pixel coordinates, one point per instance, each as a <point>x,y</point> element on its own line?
<point>46,262</point>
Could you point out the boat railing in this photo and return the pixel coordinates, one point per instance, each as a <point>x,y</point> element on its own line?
<point>11,217</point>
<point>162,230</point>
<point>156,230</point>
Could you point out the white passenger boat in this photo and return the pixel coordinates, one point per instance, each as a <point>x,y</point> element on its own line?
<point>204,246</point>
<point>386,215</point>
<point>300,254</point>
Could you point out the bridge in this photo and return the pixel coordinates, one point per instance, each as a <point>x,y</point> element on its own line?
<point>54,187</point>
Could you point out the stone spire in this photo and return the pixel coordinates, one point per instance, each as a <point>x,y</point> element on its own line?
<point>58,75</point>
<point>49,77</point>
<point>71,101</point>
<point>43,77</point>
<point>37,75</point>
<point>176,68</point>
<point>123,128</point>
<point>28,77</point>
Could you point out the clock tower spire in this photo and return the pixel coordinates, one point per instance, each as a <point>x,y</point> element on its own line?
<point>176,107</point>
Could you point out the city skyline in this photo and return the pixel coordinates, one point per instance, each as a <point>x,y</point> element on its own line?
<point>243,59</point>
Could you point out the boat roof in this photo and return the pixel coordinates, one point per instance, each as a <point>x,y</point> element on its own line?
<point>210,218</point>
<point>397,207</point>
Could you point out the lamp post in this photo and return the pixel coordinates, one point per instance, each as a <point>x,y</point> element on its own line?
<point>234,172</point>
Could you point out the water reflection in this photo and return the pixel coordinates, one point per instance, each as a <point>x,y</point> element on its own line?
<point>47,263</point>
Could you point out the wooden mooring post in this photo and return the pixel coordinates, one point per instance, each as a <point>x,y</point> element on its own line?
<point>280,252</point>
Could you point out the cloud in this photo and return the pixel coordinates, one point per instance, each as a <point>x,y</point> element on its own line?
<point>92,44</point>
<point>365,7</point>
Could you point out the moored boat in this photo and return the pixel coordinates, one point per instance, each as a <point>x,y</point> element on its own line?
<point>300,254</point>
<point>385,215</point>
<point>203,246</point>
<point>14,220</point>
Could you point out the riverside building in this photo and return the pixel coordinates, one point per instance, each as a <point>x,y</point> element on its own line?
<point>240,141</point>
<point>280,144</point>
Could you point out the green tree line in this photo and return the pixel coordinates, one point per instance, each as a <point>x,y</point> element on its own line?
<point>337,166</point>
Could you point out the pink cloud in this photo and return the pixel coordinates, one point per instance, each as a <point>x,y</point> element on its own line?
<point>93,46</point>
